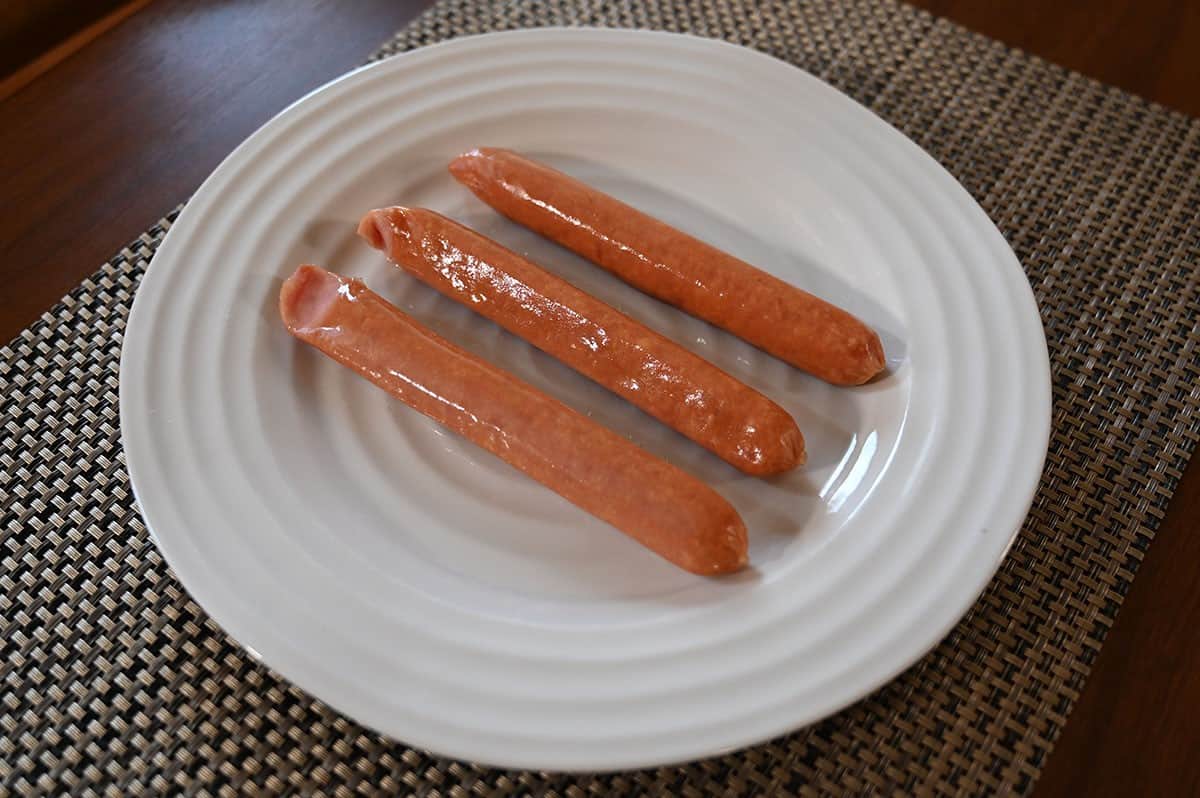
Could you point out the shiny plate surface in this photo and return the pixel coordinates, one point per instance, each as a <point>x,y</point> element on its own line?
<point>431,592</point>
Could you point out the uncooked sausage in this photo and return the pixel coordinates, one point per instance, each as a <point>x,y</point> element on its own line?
<point>656,503</point>
<point>675,267</point>
<point>679,388</point>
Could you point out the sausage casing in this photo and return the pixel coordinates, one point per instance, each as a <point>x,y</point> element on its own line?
<point>677,268</point>
<point>656,503</point>
<point>674,385</point>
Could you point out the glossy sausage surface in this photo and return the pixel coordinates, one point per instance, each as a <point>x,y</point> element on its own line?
<point>675,267</point>
<point>666,509</point>
<point>681,389</point>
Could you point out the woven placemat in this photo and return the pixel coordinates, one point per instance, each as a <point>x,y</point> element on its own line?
<point>114,682</point>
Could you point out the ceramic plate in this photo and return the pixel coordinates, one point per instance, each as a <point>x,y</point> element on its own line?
<point>435,594</point>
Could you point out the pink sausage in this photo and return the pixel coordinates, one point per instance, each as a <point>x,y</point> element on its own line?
<point>667,510</point>
<point>679,388</point>
<point>671,265</point>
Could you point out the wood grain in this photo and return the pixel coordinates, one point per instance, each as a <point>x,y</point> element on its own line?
<point>100,146</point>
<point>1136,728</point>
<point>26,73</point>
<point>1150,48</point>
<point>30,28</point>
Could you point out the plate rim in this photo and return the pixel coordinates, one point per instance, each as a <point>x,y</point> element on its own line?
<point>212,185</point>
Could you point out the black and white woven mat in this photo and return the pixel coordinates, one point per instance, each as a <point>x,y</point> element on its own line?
<point>114,682</point>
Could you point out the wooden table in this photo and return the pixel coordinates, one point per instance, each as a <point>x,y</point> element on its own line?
<point>94,150</point>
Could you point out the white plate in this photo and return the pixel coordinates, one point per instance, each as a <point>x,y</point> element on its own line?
<point>433,593</point>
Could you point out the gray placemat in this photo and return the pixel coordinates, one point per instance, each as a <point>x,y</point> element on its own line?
<point>115,682</point>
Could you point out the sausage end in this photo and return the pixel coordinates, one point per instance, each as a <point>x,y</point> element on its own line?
<point>792,444</point>
<point>875,354</point>
<point>465,168</point>
<point>306,297</point>
<point>871,360</point>
<point>383,227</point>
<point>729,554</point>
<point>776,443</point>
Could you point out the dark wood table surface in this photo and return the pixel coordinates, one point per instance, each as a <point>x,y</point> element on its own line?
<point>98,147</point>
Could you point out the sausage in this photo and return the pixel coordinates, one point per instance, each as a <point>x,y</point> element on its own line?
<point>652,501</point>
<point>672,266</point>
<point>677,387</point>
